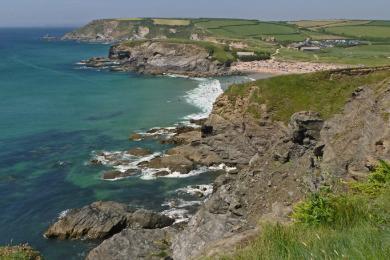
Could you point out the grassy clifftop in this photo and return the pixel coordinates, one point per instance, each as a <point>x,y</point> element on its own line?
<point>323,92</point>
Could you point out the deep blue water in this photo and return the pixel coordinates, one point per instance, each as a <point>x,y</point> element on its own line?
<point>52,111</point>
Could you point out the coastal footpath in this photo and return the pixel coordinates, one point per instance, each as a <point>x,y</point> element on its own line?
<point>283,139</point>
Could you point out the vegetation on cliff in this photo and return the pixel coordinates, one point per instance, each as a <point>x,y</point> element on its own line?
<point>323,92</point>
<point>349,220</point>
<point>19,252</point>
<point>217,51</point>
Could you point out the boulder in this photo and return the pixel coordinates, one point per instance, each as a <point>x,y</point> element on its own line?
<point>104,219</point>
<point>95,221</point>
<point>176,163</point>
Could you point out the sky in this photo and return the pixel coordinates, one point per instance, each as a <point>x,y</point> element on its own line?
<point>31,13</point>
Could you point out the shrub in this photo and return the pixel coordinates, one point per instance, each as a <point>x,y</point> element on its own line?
<point>376,182</point>
<point>317,209</point>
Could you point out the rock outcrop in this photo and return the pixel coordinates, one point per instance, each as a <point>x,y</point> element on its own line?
<point>103,219</point>
<point>135,244</point>
<point>162,57</point>
<point>279,163</point>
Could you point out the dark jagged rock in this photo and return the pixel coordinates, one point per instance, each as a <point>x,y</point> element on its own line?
<point>102,220</point>
<point>305,126</point>
<point>112,175</point>
<point>149,220</point>
<point>176,163</point>
<point>135,244</point>
<point>206,130</point>
<point>98,220</point>
<point>164,57</point>
<point>139,151</point>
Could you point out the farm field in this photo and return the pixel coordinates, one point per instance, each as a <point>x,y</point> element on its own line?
<point>172,22</point>
<point>369,55</point>
<point>361,31</point>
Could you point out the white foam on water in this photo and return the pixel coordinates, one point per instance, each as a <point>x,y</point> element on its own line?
<point>190,174</point>
<point>223,167</point>
<point>149,173</point>
<point>179,215</point>
<point>204,189</point>
<point>63,214</point>
<point>180,203</point>
<point>203,97</point>
<point>127,161</point>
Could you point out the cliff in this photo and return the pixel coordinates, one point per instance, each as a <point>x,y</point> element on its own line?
<point>199,59</point>
<point>158,57</point>
<point>287,137</point>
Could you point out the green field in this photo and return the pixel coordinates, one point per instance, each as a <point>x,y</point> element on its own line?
<point>172,22</point>
<point>364,32</point>
<point>262,36</point>
<point>369,55</point>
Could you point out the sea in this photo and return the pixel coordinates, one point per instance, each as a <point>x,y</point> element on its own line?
<point>56,115</point>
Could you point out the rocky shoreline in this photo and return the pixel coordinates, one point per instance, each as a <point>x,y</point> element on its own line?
<point>265,167</point>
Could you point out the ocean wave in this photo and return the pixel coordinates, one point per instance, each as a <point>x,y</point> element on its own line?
<point>121,160</point>
<point>150,173</point>
<point>194,190</point>
<point>63,214</point>
<point>203,97</point>
<point>179,215</point>
<point>180,203</point>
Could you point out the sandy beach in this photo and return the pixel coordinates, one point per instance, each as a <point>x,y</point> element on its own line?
<point>273,66</point>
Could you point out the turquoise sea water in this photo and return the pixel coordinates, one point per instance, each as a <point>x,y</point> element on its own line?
<point>52,111</point>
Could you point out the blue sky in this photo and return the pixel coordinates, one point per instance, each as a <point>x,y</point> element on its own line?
<point>78,12</point>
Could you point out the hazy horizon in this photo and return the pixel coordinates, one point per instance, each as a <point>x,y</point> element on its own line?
<point>70,13</point>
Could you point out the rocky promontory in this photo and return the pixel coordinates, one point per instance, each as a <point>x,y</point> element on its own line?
<point>159,57</point>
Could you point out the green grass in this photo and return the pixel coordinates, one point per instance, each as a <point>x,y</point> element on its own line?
<point>172,22</point>
<point>363,32</point>
<point>330,225</point>
<point>216,23</point>
<point>217,51</point>
<point>20,252</point>
<point>320,92</point>
<point>368,55</point>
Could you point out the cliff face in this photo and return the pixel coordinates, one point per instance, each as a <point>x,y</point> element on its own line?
<point>159,57</point>
<point>116,30</point>
<point>279,163</point>
<point>279,156</point>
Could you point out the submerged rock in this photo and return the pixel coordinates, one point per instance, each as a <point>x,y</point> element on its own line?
<point>139,151</point>
<point>135,137</point>
<point>102,220</point>
<point>176,163</point>
<point>112,175</point>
